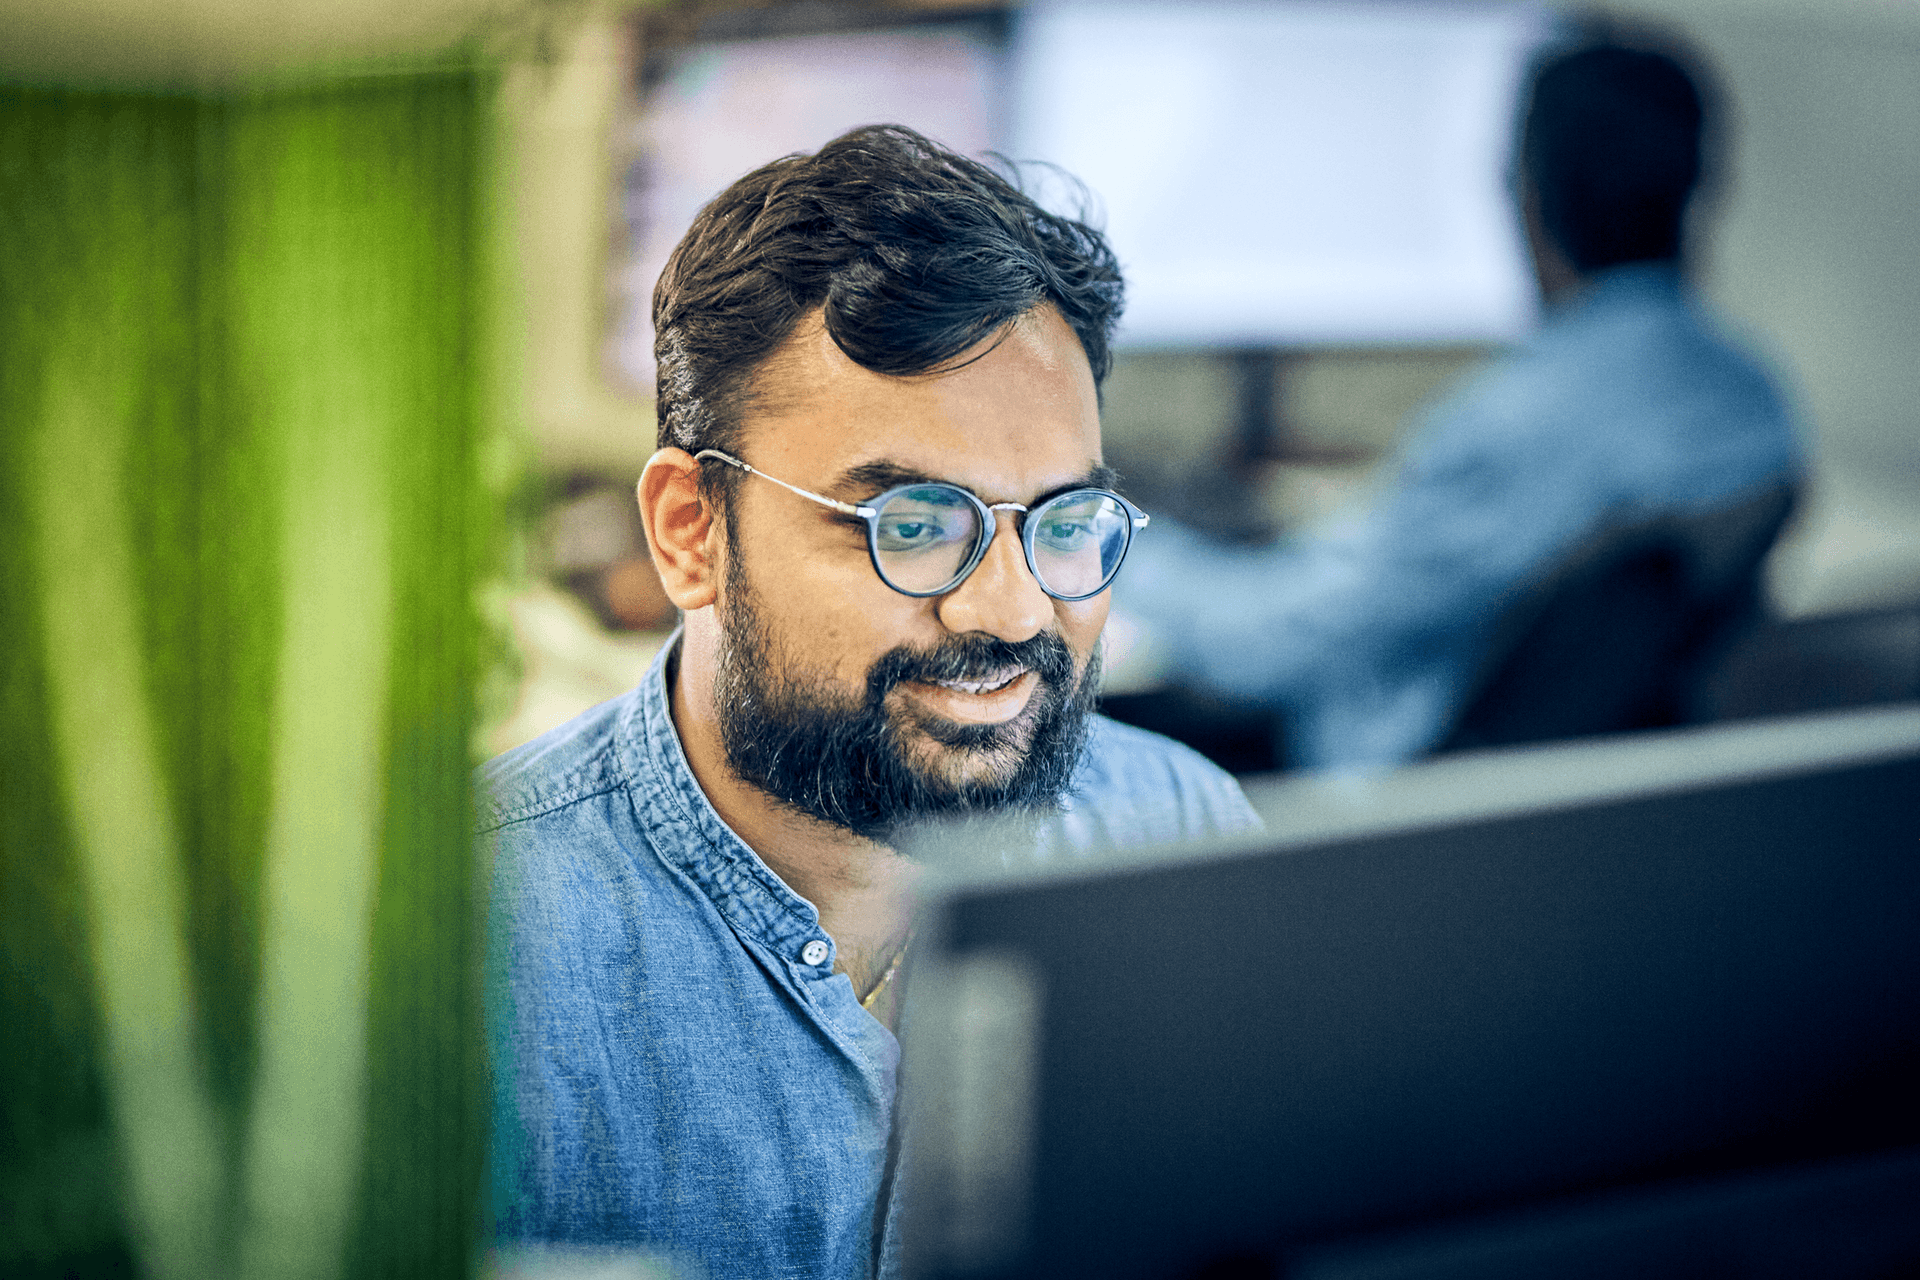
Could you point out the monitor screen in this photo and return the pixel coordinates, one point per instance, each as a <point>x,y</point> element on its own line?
<point>1294,173</point>
<point>1482,983</point>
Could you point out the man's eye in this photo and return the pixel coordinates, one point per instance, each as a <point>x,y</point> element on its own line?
<point>1065,533</point>
<point>903,535</point>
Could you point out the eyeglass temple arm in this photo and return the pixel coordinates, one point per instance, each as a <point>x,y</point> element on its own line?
<point>865,513</point>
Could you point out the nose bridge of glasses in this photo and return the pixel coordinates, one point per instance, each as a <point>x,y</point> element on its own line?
<point>1014,510</point>
<point>999,592</point>
<point>988,543</point>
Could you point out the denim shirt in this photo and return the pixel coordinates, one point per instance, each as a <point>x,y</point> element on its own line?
<point>1627,404</point>
<point>676,1065</point>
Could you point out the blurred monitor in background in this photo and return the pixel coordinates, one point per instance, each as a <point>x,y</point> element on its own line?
<point>1286,174</point>
<point>1568,535</point>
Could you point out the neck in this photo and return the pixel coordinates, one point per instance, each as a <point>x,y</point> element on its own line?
<point>1555,273</point>
<point>863,890</point>
<point>1558,278</point>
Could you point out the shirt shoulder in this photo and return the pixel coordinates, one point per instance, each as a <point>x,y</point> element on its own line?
<point>1137,788</point>
<point>574,762</point>
<point>1635,398</point>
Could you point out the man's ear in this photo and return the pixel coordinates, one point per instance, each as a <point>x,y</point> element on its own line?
<point>681,530</point>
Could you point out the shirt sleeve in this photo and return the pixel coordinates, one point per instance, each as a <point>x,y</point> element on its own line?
<point>1136,788</point>
<point>1478,500</point>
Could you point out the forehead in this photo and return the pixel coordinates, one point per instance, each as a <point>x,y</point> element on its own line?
<point>1017,417</point>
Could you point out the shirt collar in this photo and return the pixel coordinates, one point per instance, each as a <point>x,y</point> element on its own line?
<point>684,829</point>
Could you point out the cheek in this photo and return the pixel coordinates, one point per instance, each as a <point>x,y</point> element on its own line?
<point>831,612</point>
<point>1081,623</point>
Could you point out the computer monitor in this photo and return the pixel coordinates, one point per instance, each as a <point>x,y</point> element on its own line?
<point>1320,171</point>
<point>1491,981</point>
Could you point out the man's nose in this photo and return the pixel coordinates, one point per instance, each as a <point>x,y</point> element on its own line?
<point>1000,597</point>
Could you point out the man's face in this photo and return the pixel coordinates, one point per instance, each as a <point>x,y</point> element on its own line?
<point>858,704</point>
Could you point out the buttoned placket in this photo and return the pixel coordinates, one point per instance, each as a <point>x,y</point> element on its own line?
<point>772,921</point>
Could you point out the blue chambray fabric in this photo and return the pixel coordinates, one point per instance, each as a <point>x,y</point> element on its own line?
<point>1627,404</point>
<point>669,1071</point>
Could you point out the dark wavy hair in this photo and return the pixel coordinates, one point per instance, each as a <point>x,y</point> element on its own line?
<point>914,252</point>
<point>1613,146</point>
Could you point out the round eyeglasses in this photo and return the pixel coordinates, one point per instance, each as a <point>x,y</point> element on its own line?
<point>926,538</point>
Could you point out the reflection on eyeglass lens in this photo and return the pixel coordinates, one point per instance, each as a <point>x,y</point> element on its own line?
<point>1078,541</point>
<point>1069,526</point>
<point>922,519</point>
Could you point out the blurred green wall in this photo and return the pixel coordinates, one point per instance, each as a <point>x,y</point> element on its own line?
<point>243,391</point>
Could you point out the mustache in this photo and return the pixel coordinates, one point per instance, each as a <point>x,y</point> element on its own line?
<point>973,657</point>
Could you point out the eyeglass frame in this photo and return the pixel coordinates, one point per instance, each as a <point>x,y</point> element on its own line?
<point>869,511</point>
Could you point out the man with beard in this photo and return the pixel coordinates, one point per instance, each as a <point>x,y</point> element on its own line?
<point>880,504</point>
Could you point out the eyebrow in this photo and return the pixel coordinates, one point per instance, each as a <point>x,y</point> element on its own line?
<point>869,479</point>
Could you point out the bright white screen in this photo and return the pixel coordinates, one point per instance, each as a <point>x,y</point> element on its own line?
<point>1289,172</point>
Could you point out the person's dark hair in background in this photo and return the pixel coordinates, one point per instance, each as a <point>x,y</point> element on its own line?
<point>1610,154</point>
<point>910,275</point>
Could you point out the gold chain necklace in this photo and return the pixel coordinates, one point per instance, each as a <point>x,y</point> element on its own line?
<point>893,967</point>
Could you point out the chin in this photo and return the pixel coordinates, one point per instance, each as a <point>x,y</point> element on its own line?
<point>959,768</point>
<point>956,755</point>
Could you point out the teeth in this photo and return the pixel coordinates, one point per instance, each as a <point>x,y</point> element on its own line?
<point>981,686</point>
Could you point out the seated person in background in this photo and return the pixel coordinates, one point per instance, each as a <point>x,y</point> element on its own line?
<point>880,502</point>
<point>1626,405</point>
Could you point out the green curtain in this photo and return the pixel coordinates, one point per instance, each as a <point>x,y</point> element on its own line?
<point>243,394</point>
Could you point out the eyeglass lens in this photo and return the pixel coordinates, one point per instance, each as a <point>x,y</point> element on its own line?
<point>1077,541</point>
<point>924,536</point>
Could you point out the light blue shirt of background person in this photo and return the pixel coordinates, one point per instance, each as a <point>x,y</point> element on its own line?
<point>1625,405</point>
<point>677,1068</point>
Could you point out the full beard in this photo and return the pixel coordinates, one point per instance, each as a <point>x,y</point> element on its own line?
<point>875,765</point>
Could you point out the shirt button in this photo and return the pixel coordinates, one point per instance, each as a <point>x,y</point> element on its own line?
<point>814,952</point>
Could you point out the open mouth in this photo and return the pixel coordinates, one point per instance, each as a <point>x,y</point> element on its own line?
<point>986,684</point>
<point>992,698</point>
